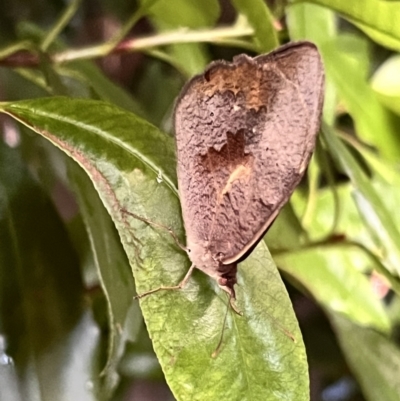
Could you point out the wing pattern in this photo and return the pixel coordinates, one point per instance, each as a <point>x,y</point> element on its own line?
<point>245,132</point>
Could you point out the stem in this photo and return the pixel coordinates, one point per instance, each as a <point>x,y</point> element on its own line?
<point>13,56</point>
<point>313,179</point>
<point>144,43</point>
<point>60,24</point>
<point>119,36</point>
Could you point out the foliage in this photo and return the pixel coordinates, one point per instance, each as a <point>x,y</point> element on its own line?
<point>69,325</point>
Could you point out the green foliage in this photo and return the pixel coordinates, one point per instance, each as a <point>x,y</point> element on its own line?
<point>69,325</point>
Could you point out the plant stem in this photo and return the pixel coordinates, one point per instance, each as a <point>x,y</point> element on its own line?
<point>137,44</point>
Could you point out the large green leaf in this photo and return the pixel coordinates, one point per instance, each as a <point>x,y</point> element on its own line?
<point>49,335</point>
<point>132,166</point>
<point>379,19</point>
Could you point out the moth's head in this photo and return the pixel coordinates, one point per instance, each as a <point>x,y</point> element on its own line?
<point>202,258</point>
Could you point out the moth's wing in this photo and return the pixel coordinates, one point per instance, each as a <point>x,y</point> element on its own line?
<point>300,62</point>
<point>245,133</point>
<point>294,81</point>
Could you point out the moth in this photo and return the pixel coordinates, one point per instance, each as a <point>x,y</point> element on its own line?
<point>245,132</point>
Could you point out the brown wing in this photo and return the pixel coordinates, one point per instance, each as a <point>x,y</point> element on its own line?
<point>245,132</point>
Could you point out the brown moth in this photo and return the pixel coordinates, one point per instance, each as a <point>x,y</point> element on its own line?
<point>245,132</point>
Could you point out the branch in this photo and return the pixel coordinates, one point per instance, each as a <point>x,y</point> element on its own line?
<point>227,36</point>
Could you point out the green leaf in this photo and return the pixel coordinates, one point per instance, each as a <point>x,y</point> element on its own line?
<point>113,270</point>
<point>188,13</point>
<point>132,166</point>
<point>49,335</point>
<point>357,243</point>
<point>369,115</point>
<point>378,19</point>
<point>385,172</point>
<point>190,57</point>
<point>104,88</point>
<point>333,274</point>
<point>373,358</point>
<point>286,232</point>
<point>317,24</point>
<point>157,92</point>
<point>376,216</point>
<point>20,82</point>
<point>349,222</point>
<point>261,19</point>
<point>311,22</point>
<point>386,83</point>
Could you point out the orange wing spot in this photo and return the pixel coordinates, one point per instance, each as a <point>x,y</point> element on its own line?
<point>240,172</point>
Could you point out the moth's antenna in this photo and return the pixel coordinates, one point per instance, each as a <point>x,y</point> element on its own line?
<point>218,348</point>
<point>281,328</point>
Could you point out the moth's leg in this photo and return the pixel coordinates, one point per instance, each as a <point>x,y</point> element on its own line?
<point>135,242</point>
<point>152,223</point>
<point>231,305</point>
<point>174,287</point>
